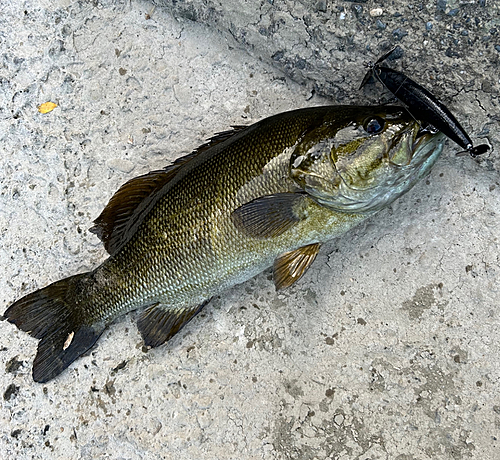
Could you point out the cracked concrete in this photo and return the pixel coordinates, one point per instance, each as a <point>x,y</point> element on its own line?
<point>388,348</point>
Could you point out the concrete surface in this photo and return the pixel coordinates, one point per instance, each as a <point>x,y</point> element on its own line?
<point>387,349</point>
<point>452,45</point>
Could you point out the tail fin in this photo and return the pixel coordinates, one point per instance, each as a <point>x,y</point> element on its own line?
<point>52,315</point>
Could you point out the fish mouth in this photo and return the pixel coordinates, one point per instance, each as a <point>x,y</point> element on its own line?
<point>423,134</point>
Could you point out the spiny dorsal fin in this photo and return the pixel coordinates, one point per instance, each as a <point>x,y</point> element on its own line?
<point>269,215</point>
<point>219,138</point>
<point>129,205</point>
<point>290,266</point>
<point>157,325</point>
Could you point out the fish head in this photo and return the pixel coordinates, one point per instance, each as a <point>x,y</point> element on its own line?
<point>364,158</point>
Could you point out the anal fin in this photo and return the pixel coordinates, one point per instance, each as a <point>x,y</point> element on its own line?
<point>157,325</point>
<point>290,266</point>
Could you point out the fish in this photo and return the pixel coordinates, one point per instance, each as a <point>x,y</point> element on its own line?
<point>267,194</point>
<point>422,104</point>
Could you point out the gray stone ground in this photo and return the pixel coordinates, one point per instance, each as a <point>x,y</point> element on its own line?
<point>387,349</point>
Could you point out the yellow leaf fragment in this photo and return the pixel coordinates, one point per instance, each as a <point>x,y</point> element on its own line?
<point>46,107</point>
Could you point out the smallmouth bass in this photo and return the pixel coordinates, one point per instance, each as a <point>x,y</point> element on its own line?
<point>263,195</point>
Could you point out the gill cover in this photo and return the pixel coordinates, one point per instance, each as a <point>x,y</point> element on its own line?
<point>361,163</point>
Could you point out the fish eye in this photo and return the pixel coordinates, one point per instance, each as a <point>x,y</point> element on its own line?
<point>374,125</point>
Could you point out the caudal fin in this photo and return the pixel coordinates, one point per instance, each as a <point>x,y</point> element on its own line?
<point>51,315</point>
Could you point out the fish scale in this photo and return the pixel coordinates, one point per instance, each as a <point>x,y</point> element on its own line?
<point>173,216</point>
<point>267,194</point>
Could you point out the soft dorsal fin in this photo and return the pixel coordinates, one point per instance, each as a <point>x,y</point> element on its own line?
<point>157,325</point>
<point>129,205</point>
<point>114,224</point>
<point>290,266</point>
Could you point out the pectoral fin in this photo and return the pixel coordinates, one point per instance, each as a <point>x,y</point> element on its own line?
<point>290,266</point>
<point>157,325</point>
<point>270,215</point>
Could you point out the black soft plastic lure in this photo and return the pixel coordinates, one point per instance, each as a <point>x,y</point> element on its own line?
<point>422,104</point>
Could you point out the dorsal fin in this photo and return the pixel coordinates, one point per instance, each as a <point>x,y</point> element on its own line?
<point>129,205</point>
<point>218,138</point>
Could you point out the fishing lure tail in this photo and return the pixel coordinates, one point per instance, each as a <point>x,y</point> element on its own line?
<point>52,315</point>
